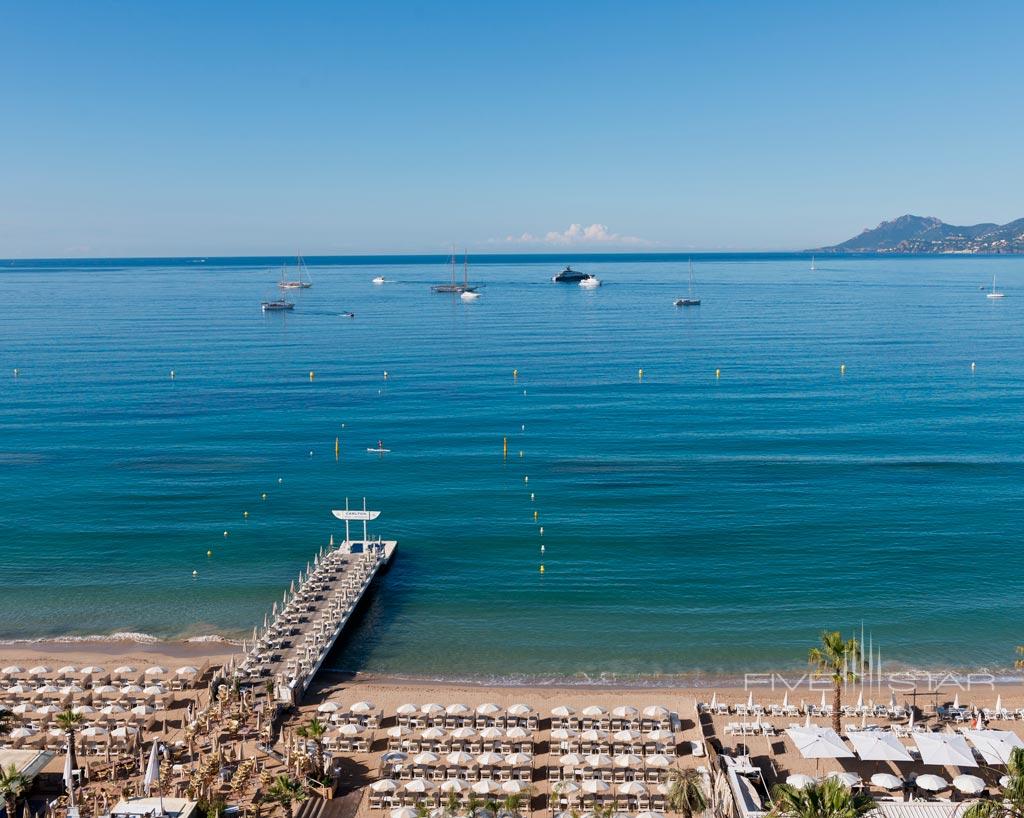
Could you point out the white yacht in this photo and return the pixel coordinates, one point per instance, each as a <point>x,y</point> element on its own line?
<point>994,292</point>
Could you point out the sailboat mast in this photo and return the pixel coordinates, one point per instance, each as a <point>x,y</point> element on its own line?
<point>453,265</point>
<point>691,279</point>
<point>465,268</point>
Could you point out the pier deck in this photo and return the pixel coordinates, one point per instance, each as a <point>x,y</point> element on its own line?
<point>315,612</point>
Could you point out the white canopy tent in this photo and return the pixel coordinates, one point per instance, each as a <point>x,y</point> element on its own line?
<point>878,745</point>
<point>944,749</point>
<point>995,746</point>
<point>818,742</point>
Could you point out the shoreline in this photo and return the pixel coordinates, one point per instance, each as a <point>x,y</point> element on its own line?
<point>93,648</point>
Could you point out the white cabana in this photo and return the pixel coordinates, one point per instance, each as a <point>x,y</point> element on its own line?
<point>944,749</point>
<point>818,742</point>
<point>878,745</point>
<point>995,746</point>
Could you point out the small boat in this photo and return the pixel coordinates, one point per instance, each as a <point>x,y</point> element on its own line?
<point>689,301</point>
<point>380,448</point>
<point>455,287</point>
<point>469,295</point>
<point>570,276</point>
<point>348,315</point>
<point>591,282</point>
<point>813,268</point>
<point>277,305</point>
<point>994,293</point>
<point>379,280</point>
<point>298,283</point>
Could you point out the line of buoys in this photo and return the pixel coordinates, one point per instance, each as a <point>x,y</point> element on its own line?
<point>504,447</point>
<point>337,444</point>
<point>542,567</point>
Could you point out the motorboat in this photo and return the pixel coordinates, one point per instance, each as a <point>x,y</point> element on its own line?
<point>591,282</point>
<point>277,305</point>
<point>570,276</point>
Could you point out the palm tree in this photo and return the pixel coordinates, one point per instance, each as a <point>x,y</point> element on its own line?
<point>1011,802</point>
<point>68,721</point>
<point>686,793</point>
<point>839,659</point>
<point>451,805</point>
<point>287,791</point>
<point>13,786</point>
<point>827,799</point>
<point>314,731</point>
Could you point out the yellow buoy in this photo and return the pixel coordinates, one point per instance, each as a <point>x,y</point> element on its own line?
<point>842,369</point>
<point>542,567</point>
<point>535,515</point>
<point>504,447</point>
<point>336,446</point>
<point>209,553</point>
<point>311,374</point>
<point>718,373</point>
<point>640,374</point>
<point>515,374</point>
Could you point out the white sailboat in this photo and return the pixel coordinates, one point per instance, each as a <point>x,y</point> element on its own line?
<point>689,301</point>
<point>813,268</point>
<point>994,293</point>
<point>299,283</point>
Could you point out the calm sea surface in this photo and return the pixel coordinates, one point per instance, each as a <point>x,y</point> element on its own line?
<point>691,524</point>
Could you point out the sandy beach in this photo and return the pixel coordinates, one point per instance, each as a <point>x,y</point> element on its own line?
<point>121,652</point>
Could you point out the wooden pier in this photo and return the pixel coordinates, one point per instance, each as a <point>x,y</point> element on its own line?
<point>300,633</point>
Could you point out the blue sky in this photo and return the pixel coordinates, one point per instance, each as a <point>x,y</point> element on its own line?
<point>198,128</point>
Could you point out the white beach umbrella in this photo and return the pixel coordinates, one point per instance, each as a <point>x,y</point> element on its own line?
<point>72,688</point>
<point>625,711</point>
<point>111,709</point>
<point>799,780</point>
<point>490,759</point>
<point>384,785</point>
<point>599,760</point>
<point>38,670</point>
<point>488,709</point>
<point>67,669</point>
<point>91,670</point>
<point>419,785</point>
<point>595,786</point>
<point>848,780</point>
<point>83,709</point>
<point>562,711</point>
<point>433,734</point>
<point>956,701</point>
<point>750,699</point>
<point>485,786</point>
<point>457,709</point>
<point>514,787</point>
<point>1004,781</point>
<point>18,689</point>
<point>47,688</point>
<point>491,733</point>
<point>656,711</point>
<point>626,736</point>
<point>519,759</point>
<point>571,760</point>
<point>124,670</point>
<point>565,787</point>
<point>23,708</point>
<point>131,689</point>
<point>156,670</point>
<point>93,731</point>
<point>50,709</point>
<point>824,703</point>
<point>659,760</point>
<point>459,759</point>
<point>394,756</point>
<point>999,699</point>
<point>407,709</point>
<point>426,758</point>
<point>650,815</point>
<point>628,760</point>
<point>520,710</point>
<point>818,742</point>
<point>351,730</point>
<point>594,711</point>
<point>562,734</point>
<point>22,732</point>
<point>785,699</point>
<point>431,709</point>
<point>10,670</point>
<point>455,785</point>
<point>944,749</point>
<point>878,745</point>
<point>517,733</point>
<point>593,735</point>
<point>186,670</point>
<point>404,812</point>
<point>932,783</point>
<point>659,735</point>
<point>995,746</point>
<point>362,708</point>
<point>631,788</point>
<point>328,707</point>
<point>860,699</point>
<point>154,690</point>
<point>714,698</point>
<point>887,781</point>
<point>463,733</point>
<point>969,784</point>
<point>124,732</point>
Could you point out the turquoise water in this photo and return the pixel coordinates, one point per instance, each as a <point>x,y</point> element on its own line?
<point>691,524</point>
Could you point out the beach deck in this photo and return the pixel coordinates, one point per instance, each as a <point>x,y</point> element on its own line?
<point>315,611</point>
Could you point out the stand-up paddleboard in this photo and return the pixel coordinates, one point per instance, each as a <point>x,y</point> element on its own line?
<point>380,448</point>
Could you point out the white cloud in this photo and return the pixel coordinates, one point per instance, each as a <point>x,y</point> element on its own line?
<point>578,235</point>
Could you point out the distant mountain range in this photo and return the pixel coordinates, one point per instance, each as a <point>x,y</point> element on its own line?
<point>924,234</point>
